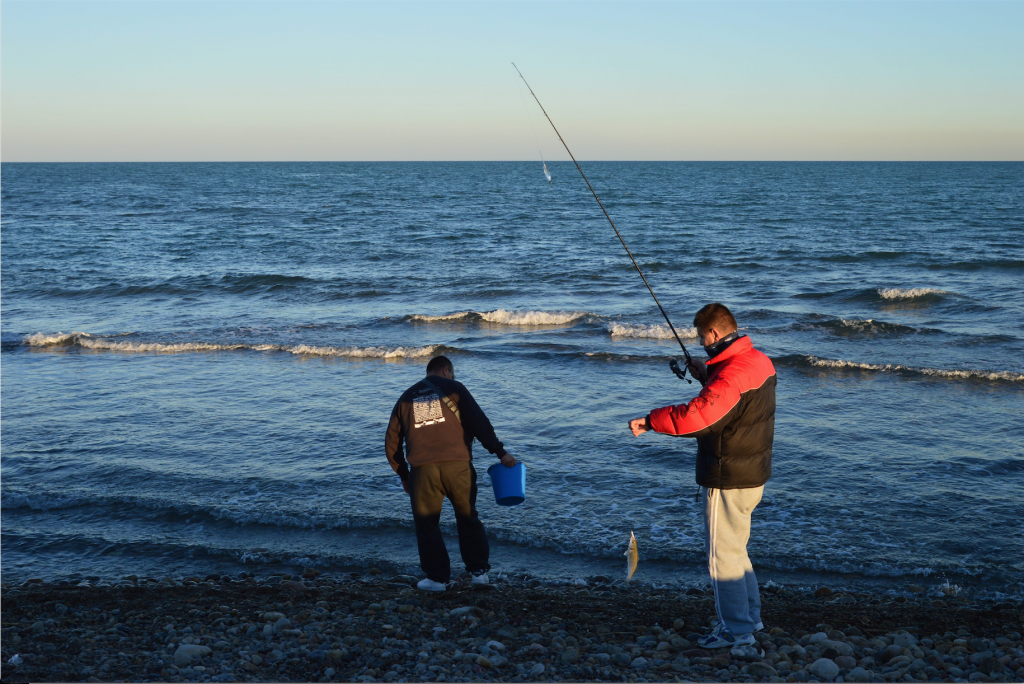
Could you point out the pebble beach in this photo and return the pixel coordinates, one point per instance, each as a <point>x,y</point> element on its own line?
<point>370,627</point>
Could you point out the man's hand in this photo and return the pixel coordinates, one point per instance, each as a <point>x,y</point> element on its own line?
<point>699,371</point>
<point>508,460</point>
<point>405,486</point>
<point>640,425</point>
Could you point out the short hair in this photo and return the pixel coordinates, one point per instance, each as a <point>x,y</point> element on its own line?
<point>715,316</point>
<point>439,363</point>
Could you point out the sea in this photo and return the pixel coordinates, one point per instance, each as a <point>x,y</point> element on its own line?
<point>199,361</point>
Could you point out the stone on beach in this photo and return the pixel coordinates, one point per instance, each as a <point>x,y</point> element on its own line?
<point>365,630</point>
<point>186,652</point>
<point>824,669</point>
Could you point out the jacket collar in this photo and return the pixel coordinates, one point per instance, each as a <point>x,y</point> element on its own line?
<point>738,347</point>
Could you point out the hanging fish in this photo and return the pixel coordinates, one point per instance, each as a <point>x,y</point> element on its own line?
<point>547,174</point>
<point>631,557</point>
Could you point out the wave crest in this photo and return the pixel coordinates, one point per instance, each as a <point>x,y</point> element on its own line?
<point>87,341</point>
<point>953,374</point>
<point>893,293</point>
<point>655,332</point>
<point>505,317</point>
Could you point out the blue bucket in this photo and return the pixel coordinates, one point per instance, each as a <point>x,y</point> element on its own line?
<point>509,483</point>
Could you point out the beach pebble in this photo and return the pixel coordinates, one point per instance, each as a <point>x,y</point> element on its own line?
<point>537,670</point>
<point>639,663</point>
<point>761,671</point>
<point>272,616</point>
<point>817,638</point>
<point>824,669</point>
<point>464,610</point>
<point>281,624</point>
<point>745,652</point>
<point>841,647</point>
<point>570,655</point>
<point>186,652</point>
<point>904,640</point>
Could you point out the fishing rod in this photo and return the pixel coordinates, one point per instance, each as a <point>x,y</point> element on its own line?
<point>681,373</point>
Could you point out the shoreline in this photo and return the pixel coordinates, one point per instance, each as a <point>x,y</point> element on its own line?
<point>376,627</point>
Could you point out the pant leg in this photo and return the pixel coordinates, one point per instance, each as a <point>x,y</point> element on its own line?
<point>726,532</point>
<point>460,484</point>
<point>427,495</point>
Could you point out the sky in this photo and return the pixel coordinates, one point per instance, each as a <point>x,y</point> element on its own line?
<point>358,81</point>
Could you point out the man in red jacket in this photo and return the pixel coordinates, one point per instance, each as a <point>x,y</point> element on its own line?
<point>733,420</point>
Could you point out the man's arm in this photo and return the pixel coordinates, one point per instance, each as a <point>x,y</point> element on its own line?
<point>476,423</point>
<point>698,417</point>
<point>394,446</point>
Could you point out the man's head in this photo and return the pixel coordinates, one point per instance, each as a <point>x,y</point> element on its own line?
<point>713,322</point>
<point>440,365</point>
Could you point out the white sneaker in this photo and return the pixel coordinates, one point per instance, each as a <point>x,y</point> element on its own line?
<point>427,584</point>
<point>715,622</point>
<point>480,577</point>
<point>722,638</point>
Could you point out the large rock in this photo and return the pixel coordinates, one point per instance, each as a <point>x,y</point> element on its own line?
<point>904,640</point>
<point>186,652</point>
<point>858,674</point>
<point>841,647</point>
<point>824,669</point>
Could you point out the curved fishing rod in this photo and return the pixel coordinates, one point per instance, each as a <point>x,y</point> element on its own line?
<point>673,364</point>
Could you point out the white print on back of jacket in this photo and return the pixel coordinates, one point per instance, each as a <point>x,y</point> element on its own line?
<point>426,408</point>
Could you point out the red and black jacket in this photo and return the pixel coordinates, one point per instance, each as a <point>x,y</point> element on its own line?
<point>733,419</point>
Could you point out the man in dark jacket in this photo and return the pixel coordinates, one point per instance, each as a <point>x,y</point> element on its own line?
<point>733,420</point>
<point>436,420</point>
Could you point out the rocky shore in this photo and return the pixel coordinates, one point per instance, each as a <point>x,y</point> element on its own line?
<point>373,627</point>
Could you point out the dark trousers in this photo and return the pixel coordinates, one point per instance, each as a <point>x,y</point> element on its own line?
<point>430,484</point>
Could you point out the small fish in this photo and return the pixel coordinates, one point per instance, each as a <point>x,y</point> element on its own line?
<point>631,557</point>
<point>547,174</point>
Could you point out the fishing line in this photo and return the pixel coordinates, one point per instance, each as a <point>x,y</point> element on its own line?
<point>672,364</point>
<point>533,132</point>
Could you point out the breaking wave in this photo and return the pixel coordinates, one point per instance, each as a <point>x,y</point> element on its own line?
<point>656,332</point>
<point>106,343</point>
<point>883,295</point>
<point>861,326</point>
<point>952,374</point>
<point>504,317</point>
<point>910,293</point>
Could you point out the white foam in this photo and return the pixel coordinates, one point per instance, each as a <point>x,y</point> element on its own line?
<point>87,341</point>
<point>443,317</point>
<point>909,293</point>
<point>47,340</point>
<point>506,317</point>
<point>364,352</point>
<point>656,332</point>
<point>1009,376</point>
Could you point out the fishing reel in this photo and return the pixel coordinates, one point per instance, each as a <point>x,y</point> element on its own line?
<point>680,372</point>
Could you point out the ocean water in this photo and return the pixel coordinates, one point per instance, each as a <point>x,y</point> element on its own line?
<point>199,361</point>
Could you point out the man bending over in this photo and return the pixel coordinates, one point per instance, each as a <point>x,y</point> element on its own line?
<point>436,420</point>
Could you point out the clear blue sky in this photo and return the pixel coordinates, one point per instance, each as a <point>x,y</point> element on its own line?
<point>97,81</point>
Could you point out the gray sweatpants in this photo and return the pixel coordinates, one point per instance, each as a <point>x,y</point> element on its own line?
<point>726,531</point>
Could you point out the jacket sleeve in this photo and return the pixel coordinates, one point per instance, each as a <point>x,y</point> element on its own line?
<point>476,423</point>
<point>700,416</point>
<point>394,443</point>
